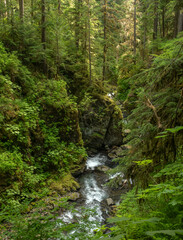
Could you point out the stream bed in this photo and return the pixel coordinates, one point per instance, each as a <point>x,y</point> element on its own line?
<point>96,197</point>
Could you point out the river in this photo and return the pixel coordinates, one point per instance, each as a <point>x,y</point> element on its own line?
<point>96,196</point>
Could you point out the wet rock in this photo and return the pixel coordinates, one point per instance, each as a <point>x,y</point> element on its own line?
<point>103,168</point>
<point>116,152</point>
<point>74,196</point>
<point>110,202</point>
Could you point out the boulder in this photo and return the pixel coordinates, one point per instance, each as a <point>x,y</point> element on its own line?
<point>103,168</point>
<point>100,122</point>
<point>74,196</point>
<point>116,152</point>
<point>110,202</point>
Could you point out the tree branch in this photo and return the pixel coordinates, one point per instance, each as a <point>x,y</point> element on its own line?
<point>150,105</point>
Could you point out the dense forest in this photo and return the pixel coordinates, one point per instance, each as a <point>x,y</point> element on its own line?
<point>82,76</point>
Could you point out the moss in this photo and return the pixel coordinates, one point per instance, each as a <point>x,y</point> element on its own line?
<point>65,184</point>
<point>97,135</point>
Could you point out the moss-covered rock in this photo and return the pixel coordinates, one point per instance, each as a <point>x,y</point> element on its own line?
<point>100,122</point>
<point>65,184</point>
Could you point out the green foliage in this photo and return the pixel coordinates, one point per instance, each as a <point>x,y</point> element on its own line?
<point>154,111</point>
<point>10,162</point>
<point>155,212</point>
<point>39,131</point>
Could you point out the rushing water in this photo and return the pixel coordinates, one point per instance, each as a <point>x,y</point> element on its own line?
<point>94,195</point>
<point>93,191</point>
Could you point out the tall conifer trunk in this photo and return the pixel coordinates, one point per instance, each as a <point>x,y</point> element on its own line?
<point>77,27</point>
<point>155,32</point>
<point>135,30</point>
<point>43,32</point>
<point>59,6</point>
<point>21,9</point>
<point>89,43</point>
<point>180,21</point>
<point>176,20</point>
<point>105,43</point>
<point>32,8</point>
<point>163,21</point>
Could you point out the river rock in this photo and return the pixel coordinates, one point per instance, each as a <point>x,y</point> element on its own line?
<point>116,152</point>
<point>110,202</point>
<point>74,196</point>
<point>103,168</point>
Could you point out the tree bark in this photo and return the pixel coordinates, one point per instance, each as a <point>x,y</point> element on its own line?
<point>180,21</point>
<point>43,31</point>
<point>59,6</point>
<point>21,9</point>
<point>150,105</point>
<point>163,21</point>
<point>135,30</point>
<point>77,27</point>
<point>32,8</point>
<point>105,44</point>
<point>155,32</point>
<point>176,20</point>
<point>89,43</point>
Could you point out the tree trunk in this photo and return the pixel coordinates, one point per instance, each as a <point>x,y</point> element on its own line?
<point>43,31</point>
<point>176,20</point>
<point>10,10</point>
<point>21,9</point>
<point>89,43</point>
<point>180,21</point>
<point>163,21</point>
<point>135,30</point>
<point>32,8</point>
<point>59,6</point>
<point>144,41</point>
<point>155,32</point>
<point>7,7</point>
<point>105,43</point>
<point>77,27</point>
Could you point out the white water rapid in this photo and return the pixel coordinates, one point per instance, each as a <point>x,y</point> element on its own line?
<point>94,192</point>
<point>92,208</point>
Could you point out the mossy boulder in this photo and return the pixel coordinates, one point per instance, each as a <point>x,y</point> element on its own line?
<point>65,184</point>
<point>100,122</point>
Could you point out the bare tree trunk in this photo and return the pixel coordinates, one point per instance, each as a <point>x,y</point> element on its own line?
<point>32,8</point>
<point>105,43</point>
<point>21,9</point>
<point>135,30</point>
<point>163,21</point>
<point>144,41</point>
<point>10,11</point>
<point>77,27</point>
<point>43,31</point>
<point>180,21</point>
<point>57,42</point>
<point>155,32</point>
<point>176,20</point>
<point>89,43</point>
<point>59,6</point>
<point>7,7</point>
